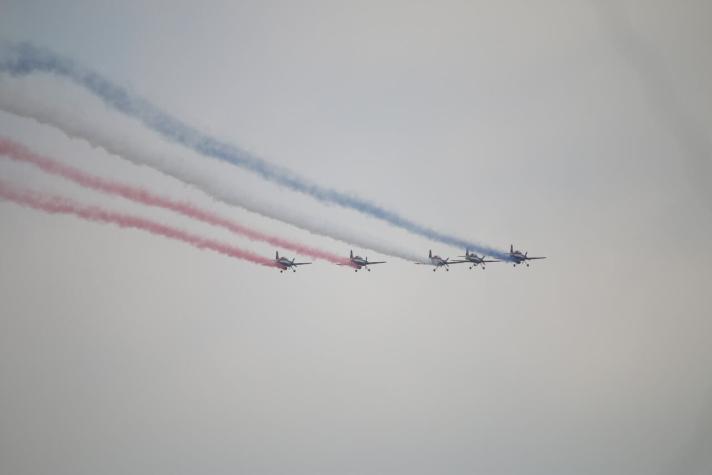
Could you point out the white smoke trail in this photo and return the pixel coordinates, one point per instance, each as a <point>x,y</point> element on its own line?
<point>17,101</point>
<point>22,59</point>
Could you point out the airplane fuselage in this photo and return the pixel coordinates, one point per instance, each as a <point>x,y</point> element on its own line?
<point>517,257</point>
<point>359,261</point>
<point>438,261</point>
<point>475,260</point>
<point>283,263</point>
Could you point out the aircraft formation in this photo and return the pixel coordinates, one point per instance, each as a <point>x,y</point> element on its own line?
<point>23,59</point>
<point>516,257</point>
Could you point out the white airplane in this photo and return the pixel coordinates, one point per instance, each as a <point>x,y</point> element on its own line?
<point>517,257</point>
<point>285,264</point>
<point>358,262</point>
<point>475,260</point>
<point>438,261</point>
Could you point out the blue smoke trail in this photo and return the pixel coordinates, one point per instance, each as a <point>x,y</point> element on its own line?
<point>24,59</point>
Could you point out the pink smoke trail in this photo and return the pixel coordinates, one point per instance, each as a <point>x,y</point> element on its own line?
<point>59,205</point>
<point>21,153</point>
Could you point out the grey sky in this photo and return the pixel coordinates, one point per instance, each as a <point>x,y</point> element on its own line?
<point>122,352</point>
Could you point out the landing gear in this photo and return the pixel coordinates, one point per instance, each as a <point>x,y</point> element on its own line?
<point>368,269</point>
<point>434,270</point>
<point>355,270</point>
<point>281,271</point>
<point>447,269</point>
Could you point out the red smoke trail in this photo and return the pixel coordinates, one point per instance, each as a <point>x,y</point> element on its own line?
<point>58,205</point>
<point>19,152</point>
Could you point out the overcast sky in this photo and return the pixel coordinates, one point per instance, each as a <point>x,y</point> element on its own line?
<point>574,130</point>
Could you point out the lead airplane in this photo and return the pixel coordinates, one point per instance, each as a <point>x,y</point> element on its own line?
<point>358,262</point>
<point>475,260</point>
<point>517,257</point>
<point>285,264</point>
<point>438,261</point>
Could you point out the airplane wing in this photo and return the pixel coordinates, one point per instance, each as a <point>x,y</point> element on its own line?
<point>532,258</point>
<point>492,261</point>
<point>455,262</point>
<point>377,262</point>
<point>300,263</point>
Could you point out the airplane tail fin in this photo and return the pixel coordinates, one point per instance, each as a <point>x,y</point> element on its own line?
<point>511,248</point>
<point>351,254</point>
<point>276,255</point>
<point>467,252</point>
<point>430,253</point>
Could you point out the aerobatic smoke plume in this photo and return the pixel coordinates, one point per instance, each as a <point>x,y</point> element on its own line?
<point>20,153</point>
<point>58,205</point>
<point>24,58</point>
<point>82,127</point>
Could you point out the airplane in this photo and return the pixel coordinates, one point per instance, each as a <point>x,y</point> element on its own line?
<point>475,260</point>
<point>438,261</point>
<point>358,262</point>
<point>285,264</point>
<point>517,257</point>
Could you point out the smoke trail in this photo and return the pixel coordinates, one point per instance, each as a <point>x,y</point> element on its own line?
<point>57,205</point>
<point>19,152</point>
<point>82,127</point>
<point>24,58</point>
